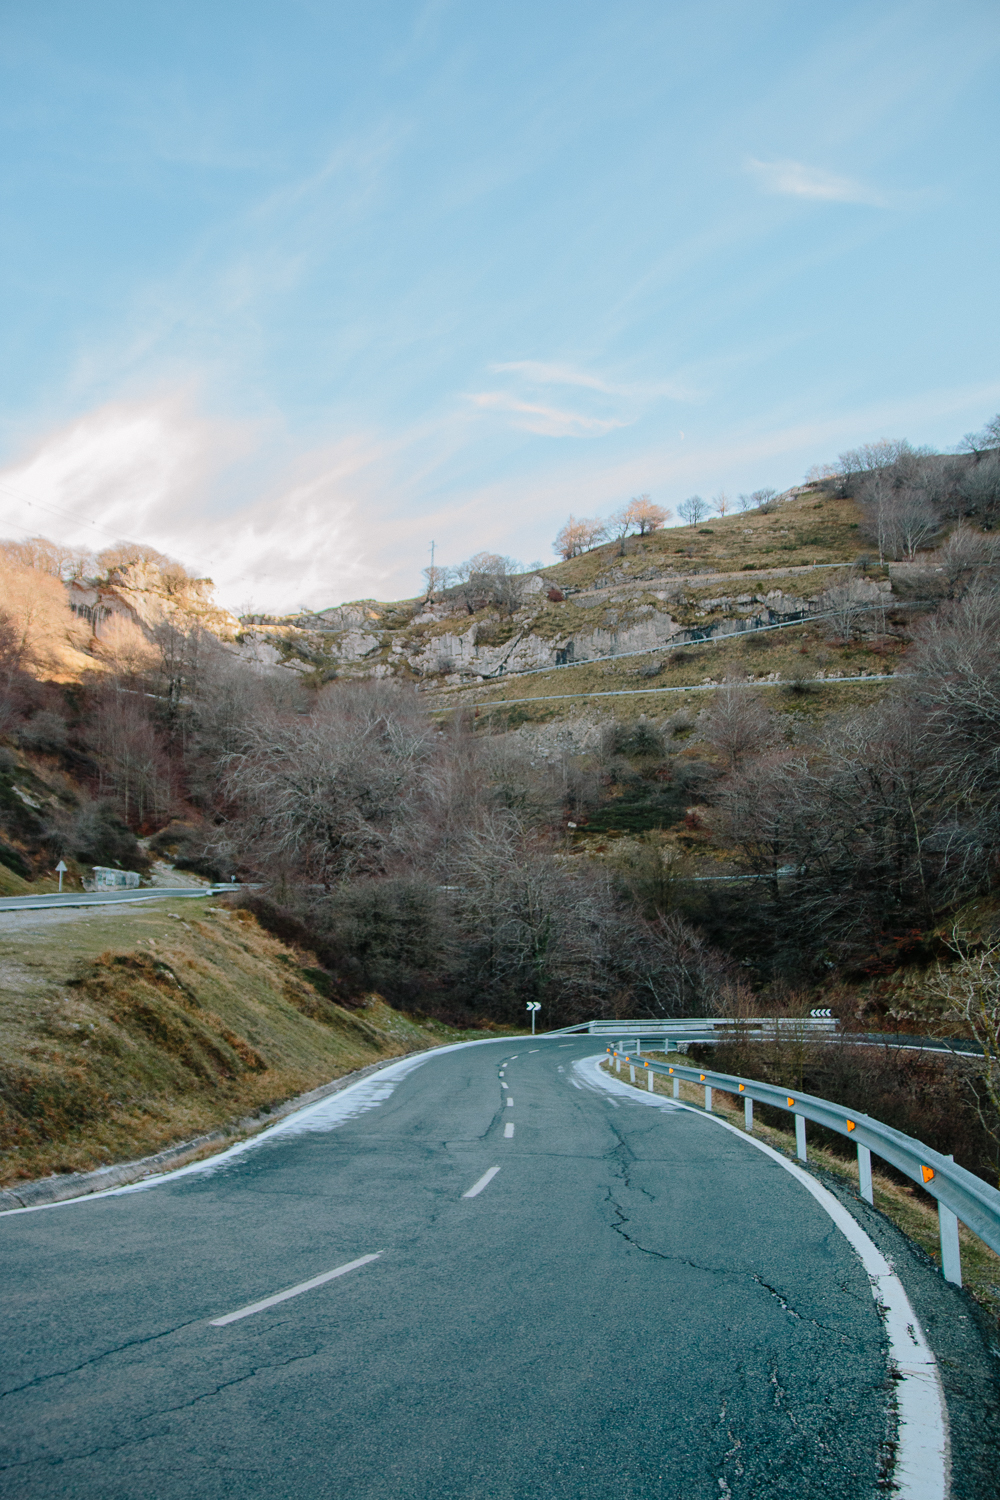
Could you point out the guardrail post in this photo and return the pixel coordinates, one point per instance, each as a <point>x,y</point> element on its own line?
<point>708,1098</point>
<point>638,1045</point>
<point>865,1174</point>
<point>651,1076</point>
<point>748,1114</point>
<point>800,1138</point>
<point>631,1073</point>
<point>677,1088</point>
<point>618,1064</point>
<point>951,1251</point>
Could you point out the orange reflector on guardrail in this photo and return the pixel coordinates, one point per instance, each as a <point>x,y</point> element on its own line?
<point>742,1087</point>
<point>790,1102</point>
<point>702,1077</point>
<point>645,1065</point>
<point>671,1070</point>
<point>851,1125</point>
<point>926,1172</point>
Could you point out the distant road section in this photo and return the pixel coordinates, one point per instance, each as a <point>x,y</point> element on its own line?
<point>106,898</point>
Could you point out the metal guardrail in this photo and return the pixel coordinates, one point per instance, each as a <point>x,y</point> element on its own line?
<point>714,1026</point>
<point>960,1194</point>
<point>645,1033</point>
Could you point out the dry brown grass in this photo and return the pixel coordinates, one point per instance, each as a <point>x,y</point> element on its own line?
<point>126,1030</point>
<point>790,654</point>
<point>911,1209</point>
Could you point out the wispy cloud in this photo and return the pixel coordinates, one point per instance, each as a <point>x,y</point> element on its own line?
<point>540,373</point>
<point>599,406</point>
<point>549,421</point>
<point>794,179</point>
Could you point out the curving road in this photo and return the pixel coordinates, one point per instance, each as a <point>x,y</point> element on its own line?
<point>124,896</point>
<point>551,1289</point>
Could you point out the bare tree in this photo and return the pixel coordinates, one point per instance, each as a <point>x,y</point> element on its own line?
<point>692,510</point>
<point>917,520</point>
<point>852,606</point>
<point>48,557</point>
<point>645,516</point>
<point>577,537</point>
<point>739,725</point>
<point>966,557</point>
<point>331,793</point>
<point>722,504</point>
<point>436,578</point>
<point>970,992</point>
<point>641,515</point>
<point>978,489</point>
<point>762,500</point>
<point>899,517</point>
<point>982,442</point>
<point>115,561</point>
<point>490,580</point>
<point>133,765</point>
<point>956,678</point>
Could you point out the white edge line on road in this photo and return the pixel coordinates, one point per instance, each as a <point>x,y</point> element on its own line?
<point>293,1291</point>
<point>484,1181</point>
<point>508,1131</point>
<point>923,1453</point>
<point>324,1114</point>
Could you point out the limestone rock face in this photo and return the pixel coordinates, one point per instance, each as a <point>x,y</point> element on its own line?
<point>145,595</point>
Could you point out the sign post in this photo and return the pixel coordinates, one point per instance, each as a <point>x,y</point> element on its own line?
<point>61,869</point>
<point>534,1007</point>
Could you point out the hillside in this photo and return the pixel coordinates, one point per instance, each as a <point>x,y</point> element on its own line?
<point>643,595</point>
<point>750,763</point>
<point>125,1030</point>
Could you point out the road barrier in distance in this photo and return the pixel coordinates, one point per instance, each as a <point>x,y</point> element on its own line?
<point>960,1194</point>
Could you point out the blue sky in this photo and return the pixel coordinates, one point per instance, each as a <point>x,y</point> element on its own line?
<point>290,289</point>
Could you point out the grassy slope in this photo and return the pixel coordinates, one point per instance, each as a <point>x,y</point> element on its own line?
<point>913,1210</point>
<point>751,552</point>
<point>128,1029</point>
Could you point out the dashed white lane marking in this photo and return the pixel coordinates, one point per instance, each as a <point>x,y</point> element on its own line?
<point>293,1291</point>
<point>484,1181</point>
<point>923,1455</point>
<point>514,1058</point>
<point>533,1051</point>
<point>508,1131</point>
<point>505,1085</point>
<point>510,1104</point>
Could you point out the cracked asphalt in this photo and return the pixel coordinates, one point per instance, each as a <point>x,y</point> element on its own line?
<point>637,1305</point>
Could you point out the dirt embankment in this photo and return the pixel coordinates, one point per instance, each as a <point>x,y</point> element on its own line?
<point>125,1030</point>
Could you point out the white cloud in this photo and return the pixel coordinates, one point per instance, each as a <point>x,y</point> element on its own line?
<point>796,180</point>
<point>158,472</point>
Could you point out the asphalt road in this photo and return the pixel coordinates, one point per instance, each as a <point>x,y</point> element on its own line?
<point>636,1304</point>
<point>103,898</point>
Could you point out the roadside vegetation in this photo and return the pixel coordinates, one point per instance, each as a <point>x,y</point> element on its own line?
<point>125,1030</point>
